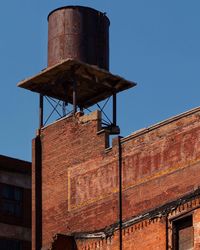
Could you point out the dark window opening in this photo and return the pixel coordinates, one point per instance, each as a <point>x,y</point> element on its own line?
<point>183,235</point>
<point>11,200</point>
<point>9,244</point>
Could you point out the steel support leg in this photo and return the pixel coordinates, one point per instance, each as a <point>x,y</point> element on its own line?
<point>114,109</point>
<point>41,111</point>
<point>74,97</point>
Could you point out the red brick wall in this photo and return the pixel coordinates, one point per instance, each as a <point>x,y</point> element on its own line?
<point>144,235</point>
<point>161,165</point>
<point>196,225</point>
<point>154,233</point>
<point>70,149</point>
<point>149,236</point>
<point>80,177</point>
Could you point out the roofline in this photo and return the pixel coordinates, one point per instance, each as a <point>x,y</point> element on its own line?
<point>160,124</point>
<point>15,165</point>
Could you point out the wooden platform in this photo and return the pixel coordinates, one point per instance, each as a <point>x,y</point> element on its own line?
<point>93,84</point>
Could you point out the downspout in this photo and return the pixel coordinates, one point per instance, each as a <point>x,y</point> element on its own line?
<point>38,179</point>
<point>167,232</point>
<point>38,193</point>
<point>120,192</point>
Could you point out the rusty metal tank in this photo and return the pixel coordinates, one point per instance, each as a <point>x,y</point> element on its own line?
<point>79,33</point>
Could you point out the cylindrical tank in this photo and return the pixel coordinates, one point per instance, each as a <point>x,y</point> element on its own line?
<point>80,33</point>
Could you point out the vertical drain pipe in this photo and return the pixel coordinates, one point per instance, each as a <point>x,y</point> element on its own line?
<point>120,192</point>
<point>41,111</point>
<point>38,192</point>
<point>74,97</point>
<point>38,179</point>
<point>167,231</point>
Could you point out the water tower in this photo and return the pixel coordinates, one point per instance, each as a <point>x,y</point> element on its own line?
<point>78,75</point>
<point>78,63</point>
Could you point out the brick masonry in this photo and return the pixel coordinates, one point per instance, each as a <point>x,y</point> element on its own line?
<point>152,233</point>
<point>80,176</point>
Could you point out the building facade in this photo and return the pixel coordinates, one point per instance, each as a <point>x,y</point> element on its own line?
<point>15,204</point>
<point>140,192</point>
<point>80,185</point>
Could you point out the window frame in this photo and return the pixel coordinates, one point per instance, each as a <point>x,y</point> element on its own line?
<point>16,203</point>
<point>178,224</point>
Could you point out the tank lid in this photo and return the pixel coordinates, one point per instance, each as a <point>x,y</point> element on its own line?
<point>79,7</point>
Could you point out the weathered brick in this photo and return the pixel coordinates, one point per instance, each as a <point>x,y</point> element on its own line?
<point>80,178</point>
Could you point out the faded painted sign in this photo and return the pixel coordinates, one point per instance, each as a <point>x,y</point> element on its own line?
<point>140,165</point>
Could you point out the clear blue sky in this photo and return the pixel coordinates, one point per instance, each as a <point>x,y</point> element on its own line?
<point>155,43</point>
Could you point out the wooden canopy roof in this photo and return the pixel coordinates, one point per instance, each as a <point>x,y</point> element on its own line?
<point>93,84</point>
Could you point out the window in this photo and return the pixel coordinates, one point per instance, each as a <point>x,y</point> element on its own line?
<point>9,244</point>
<point>183,236</point>
<point>11,200</point>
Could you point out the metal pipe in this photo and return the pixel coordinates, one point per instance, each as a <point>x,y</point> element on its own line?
<point>74,97</point>
<point>114,109</point>
<point>37,177</point>
<point>64,108</point>
<point>167,233</point>
<point>120,192</point>
<point>41,111</point>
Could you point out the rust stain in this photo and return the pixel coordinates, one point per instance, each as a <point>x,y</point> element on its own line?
<point>79,33</point>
